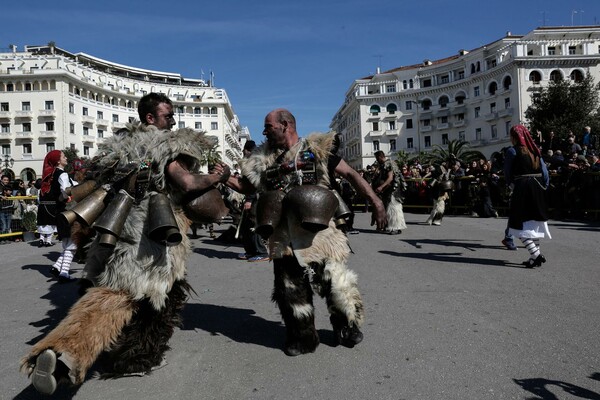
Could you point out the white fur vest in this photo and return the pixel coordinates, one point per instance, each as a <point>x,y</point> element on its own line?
<point>139,265</point>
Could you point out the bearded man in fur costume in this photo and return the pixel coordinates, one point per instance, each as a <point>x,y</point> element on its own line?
<point>295,212</point>
<point>389,184</point>
<point>137,273</point>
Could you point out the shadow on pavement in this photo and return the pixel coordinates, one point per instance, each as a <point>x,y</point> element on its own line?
<point>455,258</point>
<point>539,387</point>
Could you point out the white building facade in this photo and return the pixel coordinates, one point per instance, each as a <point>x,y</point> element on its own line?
<point>475,95</point>
<point>52,99</point>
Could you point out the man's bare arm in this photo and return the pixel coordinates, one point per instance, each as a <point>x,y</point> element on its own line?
<point>189,182</point>
<point>362,186</point>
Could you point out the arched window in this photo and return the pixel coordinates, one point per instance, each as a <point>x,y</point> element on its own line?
<point>404,84</point>
<point>460,98</point>
<point>197,110</point>
<point>492,88</point>
<point>391,108</point>
<point>374,109</point>
<point>472,68</point>
<point>213,110</point>
<point>507,82</point>
<point>426,104</point>
<point>410,84</point>
<point>576,76</point>
<point>443,101</point>
<point>555,76</point>
<point>535,77</point>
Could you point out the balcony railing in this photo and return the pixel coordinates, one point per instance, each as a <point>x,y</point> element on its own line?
<point>102,122</point>
<point>506,112</point>
<point>443,126</point>
<point>47,113</point>
<point>24,114</point>
<point>427,128</point>
<point>458,124</point>
<point>490,116</point>
<point>5,114</point>
<point>48,134</point>
<point>376,133</point>
<point>88,119</point>
<point>391,132</point>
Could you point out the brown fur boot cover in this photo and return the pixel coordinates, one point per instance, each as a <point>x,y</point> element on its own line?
<point>92,325</point>
<point>143,342</point>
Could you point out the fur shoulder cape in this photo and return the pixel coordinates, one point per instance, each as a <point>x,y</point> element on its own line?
<point>254,167</point>
<point>141,143</point>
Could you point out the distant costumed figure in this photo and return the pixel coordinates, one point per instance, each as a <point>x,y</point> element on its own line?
<point>136,266</point>
<point>525,170</point>
<point>389,184</point>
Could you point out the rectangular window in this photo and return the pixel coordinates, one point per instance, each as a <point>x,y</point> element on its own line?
<point>100,133</point>
<point>49,147</point>
<point>28,85</point>
<point>198,125</point>
<point>115,117</point>
<point>214,126</point>
<point>461,135</point>
<point>409,143</point>
<point>392,125</point>
<point>445,139</point>
<point>131,119</point>
<point>427,141</point>
<point>4,107</point>
<point>426,122</point>
<point>72,108</point>
<point>393,145</point>
<point>100,115</point>
<point>5,128</point>
<point>476,91</point>
<point>72,146</point>
<point>375,126</point>
<point>375,145</point>
<point>26,126</point>
<point>460,117</point>
<point>461,74</point>
<point>507,102</point>
<point>49,105</point>
<point>390,88</point>
<point>26,148</point>
<point>86,150</point>
<point>181,124</point>
<point>551,50</point>
<point>506,128</point>
<point>5,149</point>
<point>494,132</point>
<point>85,111</point>
<point>444,120</point>
<point>86,131</point>
<point>72,129</point>
<point>445,79</point>
<point>426,82</point>
<point>492,107</point>
<point>50,126</point>
<point>477,111</point>
<point>478,134</point>
<point>26,106</point>
<point>409,123</point>
<point>408,105</point>
<point>572,50</point>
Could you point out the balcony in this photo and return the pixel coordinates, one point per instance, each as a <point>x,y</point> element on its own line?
<point>391,132</point>
<point>88,119</point>
<point>458,124</point>
<point>6,135</point>
<point>88,139</point>
<point>47,113</point>
<point>427,128</point>
<point>25,135</point>
<point>27,156</point>
<point>506,112</point>
<point>5,115</point>
<point>376,133</point>
<point>443,126</point>
<point>24,114</point>
<point>490,116</point>
<point>118,125</point>
<point>48,135</point>
<point>102,122</point>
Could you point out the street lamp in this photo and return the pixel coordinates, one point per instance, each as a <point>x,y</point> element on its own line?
<point>7,163</point>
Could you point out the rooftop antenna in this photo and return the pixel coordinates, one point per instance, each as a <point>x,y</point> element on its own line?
<point>573,14</point>
<point>543,17</point>
<point>379,56</point>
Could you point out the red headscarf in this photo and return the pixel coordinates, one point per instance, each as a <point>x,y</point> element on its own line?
<point>50,163</point>
<point>523,137</point>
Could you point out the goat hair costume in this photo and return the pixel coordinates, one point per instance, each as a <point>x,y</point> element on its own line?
<point>140,288</point>
<point>304,259</point>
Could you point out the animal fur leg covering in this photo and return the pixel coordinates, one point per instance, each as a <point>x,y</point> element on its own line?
<point>92,325</point>
<point>293,295</point>
<point>395,215</point>
<point>143,342</point>
<point>344,297</point>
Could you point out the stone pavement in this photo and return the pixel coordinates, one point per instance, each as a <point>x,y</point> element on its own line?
<point>450,314</point>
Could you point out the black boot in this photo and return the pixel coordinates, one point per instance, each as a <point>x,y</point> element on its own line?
<point>345,334</point>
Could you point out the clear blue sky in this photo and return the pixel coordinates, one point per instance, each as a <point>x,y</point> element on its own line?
<point>300,55</point>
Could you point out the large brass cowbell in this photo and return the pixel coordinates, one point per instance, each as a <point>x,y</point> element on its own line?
<point>163,226</point>
<point>86,211</point>
<point>110,223</point>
